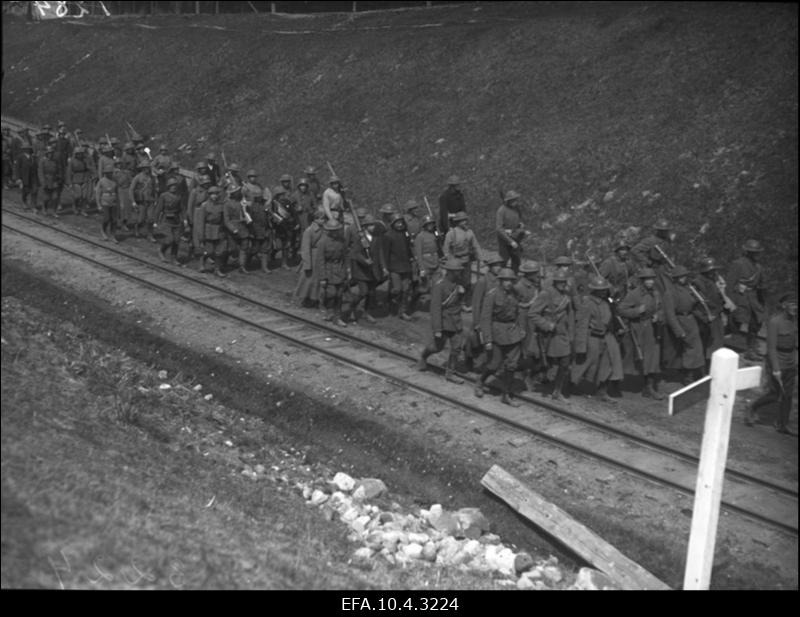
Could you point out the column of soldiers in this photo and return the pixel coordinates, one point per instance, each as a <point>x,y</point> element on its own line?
<point>635,312</point>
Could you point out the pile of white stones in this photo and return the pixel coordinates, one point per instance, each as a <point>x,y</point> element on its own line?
<point>459,538</point>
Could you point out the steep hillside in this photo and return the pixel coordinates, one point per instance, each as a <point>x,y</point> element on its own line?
<point>603,115</point>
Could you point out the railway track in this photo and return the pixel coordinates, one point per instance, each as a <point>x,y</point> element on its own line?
<point>768,502</point>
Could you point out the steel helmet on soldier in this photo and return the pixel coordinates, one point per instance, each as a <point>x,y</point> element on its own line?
<point>204,179</point>
<point>174,165</point>
<point>598,283</point>
<point>427,220</point>
<point>79,150</point>
<point>172,182</point>
<point>398,218</point>
<point>211,156</point>
<point>368,219</point>
<point>560,277</point>
<point>286,178</point>
<point>234,167</point>
<point>753,246</point>
<point>332,225</point>
<point>510,196</point>
<point>278,190</point>
<point>334,179</point>
<point>361,212</point>
<point>529,267</point>
<point>491,258</point>
<point>708,264</point>
<point>507,274</point>
<point>411,204</point>
<point>662,225</point>
<point>128,145</point>
<point>201,165</point>
<point>563,260</point>
<point>622,245</point>
<point>453,180</point>
<point>302,182</point>
<point>251,173</point>
<point>161,148</point>
<point>460,216</point>
<point>679,271</point>
<point>388,209</point>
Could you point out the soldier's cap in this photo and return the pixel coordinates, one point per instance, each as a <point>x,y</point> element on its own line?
<point>214,189</point>
<point>334,178</point>
<point>507,274</point>
<point>662,224</point>
<point>332,225</point>
<point>427,220</point>
<point>563,260</point>
<point>598,283</point>
<point>387,209</point>
<point>286,178</point>
<point>560,277</point>
<point>368,219</point>
<point>200,165</point>
<point>211,156</point>
<point>278,190</point>
<point>309,170</point>
<point>708,264</point>
<point>302,182</point>
<point>411,204</point>
<point>174,165</point>
<point>788,298</point>
<point>460,216</point>
<point>490,258</point>
<point>128,145</point>
<point>172,182</point>
<point>679,271</point>
<point>511,195</point>
<point>204,179</point>
<point>622,245</point>
<point>234,189</point>
<point>752,246</point>
<point>140,147</point>
<point>234,167</point>
<point>453,264</point>
<point>452,180</point>
<point>647,273</point>
<point>163,148</point>
<point>529,267</point>
<point>361,212</point>
<point>398,218</point>
<point>251,173</point>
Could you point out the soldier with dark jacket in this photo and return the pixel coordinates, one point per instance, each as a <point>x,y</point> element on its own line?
<point>314,186</point>
<point>502,334</point>
<point>510,230</point>
<point>307,288</point>
<point>168,211</point>
<point>106,197</point>
<point>712,329</point>
<point>680,307</point>
<point>553,315</point>
<point>446,320</point>
<point>426,252</point>
<point>780,364</point>
<point>197,196</point>
<point>183,186</point>
<point>50,180</point>
<point>644,251</point>
<point>597,355</point>
<point>366,263</point>
<point>413,220</point>
<point>398,261</point>
<point>127,170</point>
<point>208,230</point>
<point>474,350</point>
<point>80,174</point>
<point>260,239</point>
<point>746,286</point>
<point>212,169</point>
<point>528,288</point>
<point>451,201</point>
<point>616,269</point>
<point>237,231</point>
<point>642,307</point>
<point>26,175</point>
<point>143,197</point>
<point>333,265</point>
<point>305,202</point>
<point>63,151</point>
<point>460,242</point>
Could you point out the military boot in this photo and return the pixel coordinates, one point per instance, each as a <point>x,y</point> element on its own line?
<point>218,271</point>
<point>479,388</point>
<point>422,362</point>
<point>203,263</point>
<point>602,394</point>
<point>162,255</point>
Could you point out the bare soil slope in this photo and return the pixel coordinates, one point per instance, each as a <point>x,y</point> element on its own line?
<point>604,115</point>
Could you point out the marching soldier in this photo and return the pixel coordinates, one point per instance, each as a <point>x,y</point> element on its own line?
<point>80,177</point>
<point>106,158</point>
<point>502,334</point>
<point>451,201</point>
<point>116,150</point>
<point>333,265</point>
<point>27,177</point>
<point>398,261</point>
<point>307,288</point>
<point>63,151</point>
<point>617,271</point>
<point>286,183</point>
<point>285,225</point>
<point>780,364</point>
<point>332,197</point>
<point>183,186</point>
<point>461,243</point>
<point>746,285</point>
<point>106,198</point>
<point>143,196</point>
<point>213,170</point>
<point>41,142</point>
<point>680,306</point>
<point>474,344</point>
<point>168,210</point>
<point>446,320</point>
<point>553,315</point>
<point>200,169</point>
<point>208,223</point>
<point>711,322</point>
<point>314,186</point>
<point>413,221</point>
<point>236,228</point>
<point>426,252</point>
<point>528,288</point>
<point>366,260</point>
<point>161,163</point>
<point>510,230</point>
<point>127,170</point>
<point>642,307</point>
<point>305,202</point>
<point>197,196</point>
<point>597,354</point>
<point>643,252</point>
<point>50,180</point>
<point>260,240</point>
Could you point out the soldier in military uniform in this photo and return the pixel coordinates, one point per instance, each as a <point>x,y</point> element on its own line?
<point>26,176</point>
<point>168,211</point>
<point>41,142</point>
<point>332,196</point>
<point>127,170</point>
<point>780,364</point>
<point>711,321</point>
<point>643,308</point>
<point>80,174</point>
<point>333,265</point>
<point>616,269</point>
<point>474,351</point>
<point>143,197</point>
<point>446,322</point>
<point>106,158</point>
<point>183,186</point>
<point>200,169</point>
<point>197,196</point>
<point>50,180</point>
<point>553,315</point>
<point>426,252</point>
<point>260,231</point>
<point>63,151</point>
<point>451,201</point>
<point>644,251</point>
<point>237,231</point>
<point>314,186</point>
<point>398,265</point>
<point>307,288</point>
<point>528,288</point>
<point>746,287</point>
<point>680,306</point>
<point>305,202</point>
<point>413,220</point>
<point>366,262</point>
<point>510,230</point>
<point>285,225</point>
<point>502,334</point>
<point>208,223</point>
<point>461,243</point>
<point>106,198</point>
<point>597,355</point>
<point>212,168</point>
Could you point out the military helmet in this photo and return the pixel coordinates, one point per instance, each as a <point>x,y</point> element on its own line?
<point>309,170</point>
<point>647,273</point>
<point>286,178</point>
<point>211,156</point>
<point>752,246</point>
<point>598,283</point>
<point>511,195</point>
<point>388,209</point>
<point>174,165</point>
<point>398,218</point>
<point>563,260</point>
<point>332,225</point>
<point>507,274</point>
<point>454,179</point>
<point>334,178</point>
<point>679,271</point>
<point>428,219</point>
<point>460,216</point>
<point>491,258</point>
<point>214,190</point>
<point>201,165</point>
<point>78,131</point>
<point>234,167</point>
<point>411,204</point>
<point>368,219</point>
<point>128,145</point>
<point>136,137</point>
<point>662,224</point>
<point>453,264</point>
<point>528,267</point>
<point>251,173</point>
<point>233,189</point>
<point>172,182</point>
<point>708,264</point>
<point>278,190</point>
<point>61,123</point>
<point>319,214</point>
<point>302,182</point>
<point>108,168</point>
<point>361,212</point>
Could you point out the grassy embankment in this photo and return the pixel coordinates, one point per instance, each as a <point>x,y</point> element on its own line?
<point>604,115</point>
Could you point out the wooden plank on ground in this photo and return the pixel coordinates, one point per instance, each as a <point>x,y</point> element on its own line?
<point>581,540</point>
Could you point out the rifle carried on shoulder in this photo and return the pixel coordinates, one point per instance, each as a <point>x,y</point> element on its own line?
<point>365,244</point>
<point>691,287</point>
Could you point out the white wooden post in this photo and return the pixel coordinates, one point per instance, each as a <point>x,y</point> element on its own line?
<point>711,471</point>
